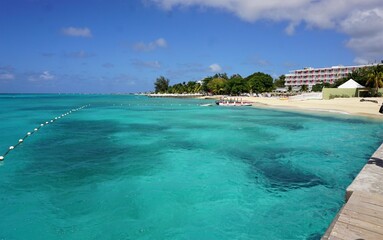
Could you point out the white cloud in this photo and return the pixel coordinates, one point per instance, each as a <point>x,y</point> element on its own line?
<point>7,76</point>
<point>360,61</point>
<point>145,47</point>
<point>76,32</point>
<point>366,31</point>
<point>215,68</point>
<point>161,42</point>
<point>44,76</point>
<point>290,29</point>
<point>364,26</point>
<point>6,73</point>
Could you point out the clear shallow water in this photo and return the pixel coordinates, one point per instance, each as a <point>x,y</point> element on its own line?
<point>132,167</point>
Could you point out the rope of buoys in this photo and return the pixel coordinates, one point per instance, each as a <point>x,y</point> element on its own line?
<point>28,134</point>
<point>152,104</point>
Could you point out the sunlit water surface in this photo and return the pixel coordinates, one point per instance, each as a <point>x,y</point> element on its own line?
<point>130,167</point>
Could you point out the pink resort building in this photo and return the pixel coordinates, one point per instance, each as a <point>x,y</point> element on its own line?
<point>311,76</point>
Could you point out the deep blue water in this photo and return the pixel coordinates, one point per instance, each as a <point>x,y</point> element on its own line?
<point>130,167</point>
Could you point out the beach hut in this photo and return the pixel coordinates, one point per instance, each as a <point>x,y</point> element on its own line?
<point>351,84</point>
<point>354,85</point>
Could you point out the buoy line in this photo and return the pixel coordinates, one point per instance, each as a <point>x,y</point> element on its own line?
<point>28,134</point>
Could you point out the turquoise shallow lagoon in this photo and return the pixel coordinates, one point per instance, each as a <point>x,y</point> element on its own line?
<point>130,167</point>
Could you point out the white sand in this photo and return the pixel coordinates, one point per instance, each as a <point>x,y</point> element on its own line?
<point>351,106</point>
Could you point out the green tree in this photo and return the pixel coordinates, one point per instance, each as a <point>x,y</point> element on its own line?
<point>319,86</point>
<point>259,82</point>
<point>176,88</point>
<point>217,85</point>
<point>359,75</point>
<point>197,88</point>
<point>375,77</point>
<point>235,85</point>
<point>221,75</point>
<point>304,88</point>
<point>189,87</point>
<point>205,83</point>
<point>280,82</point>
<point>161,85</point>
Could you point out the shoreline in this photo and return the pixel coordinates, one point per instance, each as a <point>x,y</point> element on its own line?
<point>344,106</point>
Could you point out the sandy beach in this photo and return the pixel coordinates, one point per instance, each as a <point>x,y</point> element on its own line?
<point>352,106</point>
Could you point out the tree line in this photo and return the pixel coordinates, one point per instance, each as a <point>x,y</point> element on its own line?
<point>220,83</point>
<point>259,82</point>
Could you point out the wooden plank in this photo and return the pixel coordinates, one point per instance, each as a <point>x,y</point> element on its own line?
<point>370,204</point>
<point>332,238</point>
<point>371,227</point>
<point>368,197</point>
<point>347,232</point>
<point>341,231</point>
<point>360,208</point>
<point>363,217</point>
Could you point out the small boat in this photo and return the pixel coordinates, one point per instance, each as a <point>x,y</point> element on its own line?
<point>235,102</point>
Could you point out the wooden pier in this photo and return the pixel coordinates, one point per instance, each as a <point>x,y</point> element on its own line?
<point>362,215</point>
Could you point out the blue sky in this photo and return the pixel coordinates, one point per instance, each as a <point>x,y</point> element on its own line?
<point>105,46</point>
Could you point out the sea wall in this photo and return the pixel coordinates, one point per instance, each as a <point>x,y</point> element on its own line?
<point>329,93</point>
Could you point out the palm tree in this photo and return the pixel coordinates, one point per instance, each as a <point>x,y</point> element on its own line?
<point>161,84</point>
<point>375,77</point>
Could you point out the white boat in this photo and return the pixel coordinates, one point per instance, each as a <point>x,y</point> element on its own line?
<point>235,102</point>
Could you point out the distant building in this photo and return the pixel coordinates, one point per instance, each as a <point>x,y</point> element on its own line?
<point>311,76</point>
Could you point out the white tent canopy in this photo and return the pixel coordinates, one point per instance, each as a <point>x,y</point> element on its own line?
<point>351,84</point>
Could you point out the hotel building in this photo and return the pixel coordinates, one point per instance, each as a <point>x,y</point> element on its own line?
<point>311,76</point>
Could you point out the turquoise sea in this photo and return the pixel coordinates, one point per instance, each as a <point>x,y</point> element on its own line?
<point>132,167</point>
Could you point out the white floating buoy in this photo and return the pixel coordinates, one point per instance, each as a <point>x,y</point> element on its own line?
<point>21,140</point>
